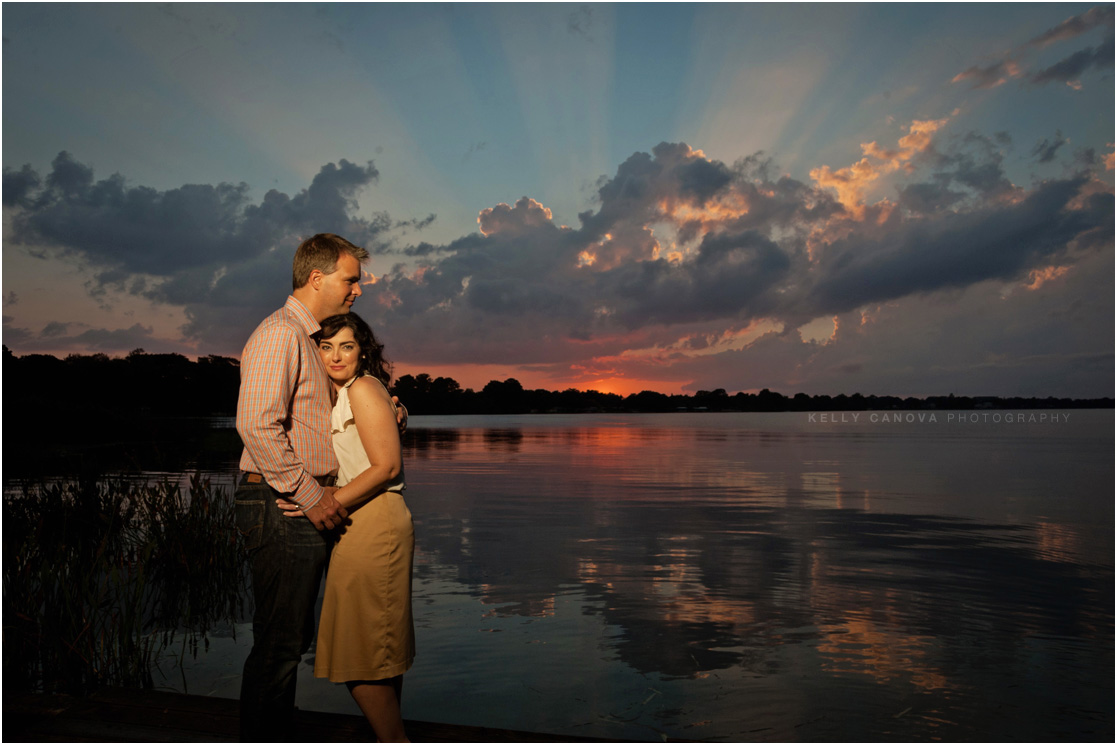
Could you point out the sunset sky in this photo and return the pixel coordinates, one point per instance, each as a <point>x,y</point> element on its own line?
<point>912,199</point>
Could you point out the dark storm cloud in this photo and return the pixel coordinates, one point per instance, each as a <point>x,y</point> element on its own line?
<point>955,249</point>
<point>784,203</point>
<point>424,249</point>
<point>525,287</point>
<point>730,275</point>
<point>208,248</point>
<point>1070,69</point>
<point>971,341</point>
<point>528,291</point>
<point>644,182</point>
<point>19,186</point>
<point>929,197</point>
<point>120,230</point>
<point>969,170</point>
<point>678,246</point>
<point>976,163</point>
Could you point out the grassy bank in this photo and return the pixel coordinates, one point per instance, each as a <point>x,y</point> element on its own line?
<point>100,574</point>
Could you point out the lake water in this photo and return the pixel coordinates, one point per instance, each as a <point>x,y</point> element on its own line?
<point>755,577</point>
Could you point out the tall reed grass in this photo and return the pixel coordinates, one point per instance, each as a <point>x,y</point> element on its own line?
<point>100,575</point>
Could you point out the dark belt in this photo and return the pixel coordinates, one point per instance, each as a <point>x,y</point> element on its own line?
<point>256,478</point>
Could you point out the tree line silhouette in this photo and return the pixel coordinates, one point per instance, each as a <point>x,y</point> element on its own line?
<point>97,393</point>
<point>80,414</point>
<point>424,395</point>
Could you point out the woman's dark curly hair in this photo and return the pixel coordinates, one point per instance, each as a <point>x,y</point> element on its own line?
<point>371,358</point>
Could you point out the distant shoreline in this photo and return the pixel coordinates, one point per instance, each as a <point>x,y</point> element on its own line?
<point>115,392</point>
<point>1039,405</point>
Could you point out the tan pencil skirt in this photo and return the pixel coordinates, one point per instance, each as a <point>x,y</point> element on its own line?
<point>366,631</point>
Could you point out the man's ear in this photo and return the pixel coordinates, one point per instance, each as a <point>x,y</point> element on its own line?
<point>315,280</point>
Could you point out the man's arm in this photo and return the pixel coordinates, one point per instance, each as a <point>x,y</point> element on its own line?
<point>267,386</point>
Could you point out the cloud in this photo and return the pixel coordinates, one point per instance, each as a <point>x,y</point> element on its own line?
<point>208,248</point>
<point>15,334</point>
<point>1040,277</point>
<point>952,249</point>
<point>55,336</point>
<point>19,186</point>
<point>975,162</point>
<point>417,224</point>
<point>684,266</point>
<point>852,182</point>
<point>1100,16</point>
<point>1068,70</point>
<point>55,328</point>
<point>1013,64</point>
<point>990,76</point>
<point>135,336</point>
<point>990,338</point>
<point>474,147</point>
<point>682,247</point>
<point>580,21</point>
<point>929,197</point>
<point>528,214</point>
<point>127,230</point>
<point>1045,150</point>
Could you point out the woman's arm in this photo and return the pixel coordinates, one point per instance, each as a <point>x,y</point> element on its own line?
<point>376,425</point>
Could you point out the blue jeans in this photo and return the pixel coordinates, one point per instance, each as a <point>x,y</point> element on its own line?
<point>286,556</point>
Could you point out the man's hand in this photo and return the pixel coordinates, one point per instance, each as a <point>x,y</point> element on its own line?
<point>328,513</point>
<point>401,415</point>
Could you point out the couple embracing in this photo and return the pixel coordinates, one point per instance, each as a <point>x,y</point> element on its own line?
<point>322,481</point>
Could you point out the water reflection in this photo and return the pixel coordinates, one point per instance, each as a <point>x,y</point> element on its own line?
<point>503,440</point>
<point>681,596</point>
<point>749,577</point>
<point>782,556</point>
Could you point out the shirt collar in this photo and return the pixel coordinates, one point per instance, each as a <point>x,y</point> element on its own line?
<point>303,316</point>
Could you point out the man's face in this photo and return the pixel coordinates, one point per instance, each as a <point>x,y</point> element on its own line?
<point>340,289</point>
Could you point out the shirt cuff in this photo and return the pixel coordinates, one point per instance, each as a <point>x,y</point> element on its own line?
<point>309,493</point>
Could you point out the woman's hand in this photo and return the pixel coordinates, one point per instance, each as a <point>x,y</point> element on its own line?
<point>401,415</point>
<point>289,508</point>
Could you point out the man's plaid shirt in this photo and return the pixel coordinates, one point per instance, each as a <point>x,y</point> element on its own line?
<point>283,410</point>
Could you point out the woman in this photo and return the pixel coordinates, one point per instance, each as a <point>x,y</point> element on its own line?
<point>365,634</point>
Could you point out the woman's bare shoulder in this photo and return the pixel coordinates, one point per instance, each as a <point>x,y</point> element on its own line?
<point>367,389</point>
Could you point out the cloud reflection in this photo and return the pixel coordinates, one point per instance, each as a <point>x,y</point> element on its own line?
<point>710,577</point>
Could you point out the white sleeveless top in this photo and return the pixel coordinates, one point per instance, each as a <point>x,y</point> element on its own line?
<point>351,456</point>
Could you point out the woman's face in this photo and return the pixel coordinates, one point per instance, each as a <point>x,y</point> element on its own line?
<point>341,354</point>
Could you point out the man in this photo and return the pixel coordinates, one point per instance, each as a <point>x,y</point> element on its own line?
<point>283,417</point>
